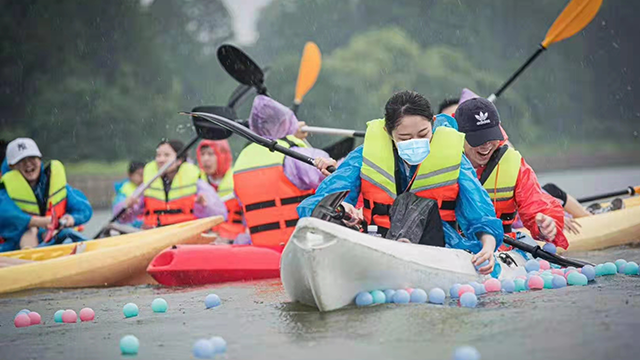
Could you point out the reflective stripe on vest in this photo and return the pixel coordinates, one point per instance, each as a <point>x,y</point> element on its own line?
<point>269,199</point>
<point>21,193</point>
<point>176,206</point>
<point>436,178</point>
<point>501,185</point>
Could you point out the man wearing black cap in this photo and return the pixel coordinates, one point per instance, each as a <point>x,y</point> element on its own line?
<point>511,183</point>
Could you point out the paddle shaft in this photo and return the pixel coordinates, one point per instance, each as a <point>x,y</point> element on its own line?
<point>628,191</point>
<point>515,75</point>
<point>538,252</point>
<point>332,131</point>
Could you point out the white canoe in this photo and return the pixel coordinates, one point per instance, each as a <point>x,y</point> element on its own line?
<point>325,265</point>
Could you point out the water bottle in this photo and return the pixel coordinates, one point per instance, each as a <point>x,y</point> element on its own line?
<point>373,230</point>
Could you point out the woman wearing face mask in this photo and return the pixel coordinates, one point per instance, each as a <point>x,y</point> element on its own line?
<point>177,196</point>
<point>402,152</point>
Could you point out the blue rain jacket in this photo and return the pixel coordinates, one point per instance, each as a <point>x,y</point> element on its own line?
<point>120,197</point>
<point>14,222</point>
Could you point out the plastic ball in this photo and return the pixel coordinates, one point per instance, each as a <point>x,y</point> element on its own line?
<point>211,301</point>
<point>130,310</point>
<point>453,291</point>
<point>22,320</point>
<point>576,278</point>
<point>535,282</point>
<point>566,275</point>
<point>519,285</point>
<point>558,282</point>
<point>401,297</point>
<point>465,289</point>
<point>631,268</point>
<point>203,349</point>
<point>599,269</point>
<point>409,290</point>
<point>57,317</point>
<point>548,281</point>
<point>589,271</point>
<point>544,265</point>
<point>378,297</point>
<point>159,305</point>
<point>69,317</point>
<point>532,265</point>
<point>34,317</point>
<point>609,268</point>
<point>389,295</point>
<point>493,285</point>
<point>87,314</point>
<point>466,353</point>
<point>129,345</point>
<point>557,272</point>
<point>508,285</point>
<point>436,296</point>
<point>485,263</point>
<point>418,296</point>
<point>23,311</point>
<point>620,263</point>
<point>550,248</point>
<point>569,269</point>
<point>478,288</point>
<point>364,299</point>
<point>219,345</point>
<point>469,300</point>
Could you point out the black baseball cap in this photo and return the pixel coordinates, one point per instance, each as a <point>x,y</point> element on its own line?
<point>479,120</point>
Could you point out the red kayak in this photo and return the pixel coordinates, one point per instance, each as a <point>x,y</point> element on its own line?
<point>209,264</point>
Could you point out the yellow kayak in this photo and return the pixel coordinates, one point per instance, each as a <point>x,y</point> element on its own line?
<point>120,260</point>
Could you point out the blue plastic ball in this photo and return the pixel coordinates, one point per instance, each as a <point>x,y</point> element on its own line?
<point>466,353</point>
<point>453,291</point>
<point>532,265</point>
<point>203,349</point>
<point>485,263</point>
<point>389,295</point>
<point>129,345</point>
<point>378,297</point>
<point>609,268</point>
<point>219,345</point>
<point>558,281</point>
<point>436,296</point>
<point>211,301</point>
<point>401,297</point>
<point>479,288</point>
<point>620,263</point>
<point>364,299</point>
<point>589,271</point>
<point>532,273</point>
<point>469,300</point>
<point>23,311</point>
<point>631,268</point>
<point>508,285</point>
<point>550,248</point>
<point>418,296</point>
<point>130,310</point>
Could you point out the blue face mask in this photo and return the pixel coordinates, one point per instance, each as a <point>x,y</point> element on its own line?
<point>414,151</point>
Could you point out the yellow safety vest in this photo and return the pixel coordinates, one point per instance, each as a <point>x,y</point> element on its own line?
<point>22,194</point>
<point>501,184</point>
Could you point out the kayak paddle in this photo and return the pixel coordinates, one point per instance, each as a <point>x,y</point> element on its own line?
<point>628,191</point>
<point>575,17</point>
<point>240,94</point>
<point>538,252</point>
<point>310,65</point>
<point>241,67</point>
<point>332,131</point>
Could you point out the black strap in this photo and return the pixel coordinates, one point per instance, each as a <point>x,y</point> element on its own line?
<point>289,142</point>
<point>237,221</point>
<point>42,205</point>
<point>260,205</point>
<point>508,216</point>
<point>169,212</point>
<point>493,162</point>
<point>507,228</point>
<point>448,205</point>
<point>293,200</point>
<point>272,226</point>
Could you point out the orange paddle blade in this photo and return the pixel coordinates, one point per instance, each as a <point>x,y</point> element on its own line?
<point>309,69</point>
<point>573,18</point>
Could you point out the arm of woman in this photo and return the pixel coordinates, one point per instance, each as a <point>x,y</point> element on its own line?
<point>78,206</point>
<point>13,222</point>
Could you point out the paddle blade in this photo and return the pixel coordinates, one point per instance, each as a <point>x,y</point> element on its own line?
<point>240,66</point>
<point>575,17</point>
<point>310,65</point>
<point>208,130</point>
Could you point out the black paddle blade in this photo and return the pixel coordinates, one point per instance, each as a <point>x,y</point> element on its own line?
<point>208,130</point>
<point>327,207</point>
<point>341,149</point>
<point>241,67</point>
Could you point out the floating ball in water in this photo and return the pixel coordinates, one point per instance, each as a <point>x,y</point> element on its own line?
<point>130,310</point>
<point>550,248</point>
<point>466,353</point>
<point>558,281</point>
<point>211,301</point>
<point>203,349</point>
<point>620,263</point>
<point>389,295</point>
<point>465,289</point>
<point>548,281</point>
<point>219,345</point>
<point>364,299</point>
<point>544,265</point>
<point>557,272</point>
<point>418,296</point>
<point>576,278</point>
<point>508,285</point>
<point>378,297</point>
<point>129,345</point>
<point>436,296</point>
<point>453,291</point>
<point>492,285</point>
<point>34,317</point>
<point>535,282</point>
<point>631,268</point>
<point>469,300</point>
<point>159,305</point>
<point>69,317</point>
<point>589,271</point>
<point>87,314</point>
<point>599,269</point>
<point>478,288</point>
<point>609,268</point>
<point>485,263</point>
<point>401,297</point>
<point>57,317</point>
<point>519,285</point>
<point>532,265</point>
<point>22,320</point>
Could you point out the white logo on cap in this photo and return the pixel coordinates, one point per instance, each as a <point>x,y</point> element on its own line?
<point>482,117</point>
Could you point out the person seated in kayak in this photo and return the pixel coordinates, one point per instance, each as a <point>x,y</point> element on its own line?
<point>177,196</point>
<point>125,188</point>
<point>269,185</point>
<point>31,193</point>
<point>511,183</point>
<point>215,161</point>
<point>402,152</point>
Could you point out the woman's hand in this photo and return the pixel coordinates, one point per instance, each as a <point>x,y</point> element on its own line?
<point>356,215</point>
<point>131,201</point>
<point>322,164</point>
<point>67,221</point>
<point>301,134</point>
<point>486,254</point>
<point>201,200</point>
<point>40,221</point>
<point>571,225</point>
<point>547,226</point>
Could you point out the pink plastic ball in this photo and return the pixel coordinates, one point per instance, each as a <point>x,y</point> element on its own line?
<point>544,265</point>
<point>557,272</point>
<point>536,283</point>
<point>87,314</point>
<point>409,290</point>
<point>22,320</point>
<point>35,318</point>
<point>69,317</point>
<point>492,285</point>
<point>465,289</point>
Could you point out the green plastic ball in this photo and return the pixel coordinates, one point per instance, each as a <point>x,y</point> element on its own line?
<point>520,285</point>
<point>130,310</point>
<point>159,305</point>
<point>575,278</point>
<point>129,345</point>
<point>57,317</point>
<point>609,269</point>
<point>378,297</point>
<point>548,281</point>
